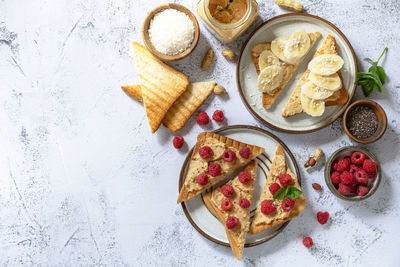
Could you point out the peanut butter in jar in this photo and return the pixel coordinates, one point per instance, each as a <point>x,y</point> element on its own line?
<point>228,18</point>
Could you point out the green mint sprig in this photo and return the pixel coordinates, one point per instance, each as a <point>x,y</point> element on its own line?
<point>287,191</point>
<point>374,78</point>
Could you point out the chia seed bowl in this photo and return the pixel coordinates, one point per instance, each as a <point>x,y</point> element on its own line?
<point>364,121</point>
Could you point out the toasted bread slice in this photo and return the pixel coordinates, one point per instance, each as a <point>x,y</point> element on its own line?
<point>288,69</point>
<point>184,107</point>
<point>134,91</point>
<point>213,199</point>
<point>340,97</point>
<point>263,221</point>
<point>198,165</point>
<point>161,85</point>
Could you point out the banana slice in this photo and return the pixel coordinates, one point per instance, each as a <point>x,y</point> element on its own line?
<point>312,107</point>
<point>314,92</point>
<point>278,47</point>
<point>297,47</point>
<point>326,64</point>
<point>267,58</point>
<point>331,82</point>
<point>270,78</point>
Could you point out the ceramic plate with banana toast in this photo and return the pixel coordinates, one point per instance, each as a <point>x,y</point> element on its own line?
<point>204,209</point>
<point>296,73</point>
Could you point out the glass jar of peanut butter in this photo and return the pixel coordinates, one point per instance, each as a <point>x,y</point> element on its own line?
<point>228,18</point>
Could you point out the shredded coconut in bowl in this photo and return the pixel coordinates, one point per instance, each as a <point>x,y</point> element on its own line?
<point>171,32</point>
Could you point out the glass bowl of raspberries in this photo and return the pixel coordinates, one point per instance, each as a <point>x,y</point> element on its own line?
<point>353,173</point>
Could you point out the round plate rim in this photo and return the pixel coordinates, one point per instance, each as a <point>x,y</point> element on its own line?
<point>181,179</point>
<point>271,125</point>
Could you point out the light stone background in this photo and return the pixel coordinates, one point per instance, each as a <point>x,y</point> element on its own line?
<point>83,182</point>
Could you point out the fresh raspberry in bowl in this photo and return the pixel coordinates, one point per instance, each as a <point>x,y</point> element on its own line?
<point>352,173</point>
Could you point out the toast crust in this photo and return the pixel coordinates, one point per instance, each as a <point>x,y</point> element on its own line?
<point>340,97</point>
<point>278,167</point>
<point>236,243</point>
<point>288,69</point>
<point>160,84</point>
<point>205,138</point>
<point>184,107</point>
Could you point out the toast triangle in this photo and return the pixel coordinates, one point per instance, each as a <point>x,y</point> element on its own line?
<point>236,236</point>
<point>160,84</point>
<point>262,222</point>
<point>340,97</point>
<point>199,165</point>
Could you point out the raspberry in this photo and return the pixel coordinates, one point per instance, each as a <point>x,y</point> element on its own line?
<point>274,187</point>
<point>353,168</point>
<point>316,186</point>
<point>346,177</point>
<point>344,189</point>
<point>226,205</point>
<point>178,141</point>
<point>214,169</point>
<point>231,222</point>
<point>353,187</point>
<point>343,165</point>
<point>361,177</point>
<point>228,155</point>
<point>369,165</point>
<point>202,118</point>
<point>371,174</point>
<point>227,190</point>
<point>244,177</point>
<point>245,152</point>
<point>202,179</point>
<point>307,242</point>
<point>206,152</point>
<point>287,204</point>
<point>362,190</point>
<point>335,177</point>
<point>267,207</point>
<point>244,203</point>
<point>358,158</point>
<point>285,179</point>
<point>218,115</point>
<point>335,165</point>
<point>322,217</point>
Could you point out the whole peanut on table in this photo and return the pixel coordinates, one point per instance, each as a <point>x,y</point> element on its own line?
<point>290,4</point>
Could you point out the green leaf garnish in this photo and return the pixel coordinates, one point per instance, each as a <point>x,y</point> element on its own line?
<point>374,78</point>
<point>287,191</point>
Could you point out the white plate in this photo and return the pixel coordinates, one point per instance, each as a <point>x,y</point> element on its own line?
<point>199,215</point>
<point>285,25</point>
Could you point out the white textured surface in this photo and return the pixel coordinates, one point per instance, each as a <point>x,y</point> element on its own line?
<point>83,182</point>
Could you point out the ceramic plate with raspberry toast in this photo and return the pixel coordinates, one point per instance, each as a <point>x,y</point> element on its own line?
<point>230,203</point>
<point>203,219</point>
<point>214,157</point>
<point>273,210</point>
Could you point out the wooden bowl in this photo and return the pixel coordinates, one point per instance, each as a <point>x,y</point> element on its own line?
<point>344,152</point>
<point>146,37</point>
<point>380,114</point>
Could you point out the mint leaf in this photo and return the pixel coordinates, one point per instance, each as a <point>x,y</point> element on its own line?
<point>381,74</point>
<point>281,193</point>
<point>287,191</point>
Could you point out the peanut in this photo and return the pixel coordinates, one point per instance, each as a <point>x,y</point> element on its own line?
<point>316,186</point>
<point>207,60</point>
<point>229,54</point>
<point>290,4</point>
<point>219,90</point>
<point>312,162</point>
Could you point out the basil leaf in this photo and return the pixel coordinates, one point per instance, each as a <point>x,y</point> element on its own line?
<point>281,193</point>
<point>293,192</point>
<point>370,61</point>
<point>381,74</point>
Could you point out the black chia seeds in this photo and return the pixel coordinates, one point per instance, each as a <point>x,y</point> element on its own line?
<point>362,122</point>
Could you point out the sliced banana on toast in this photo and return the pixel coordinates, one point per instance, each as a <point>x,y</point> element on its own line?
<point>270,78</point>
<point>312,91</point>
<point>331,82</point>
<point>312,107</point>
<point>326,64</point>
<point>297,47</point>
<point>278,47</point>
<point>267,58</point>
